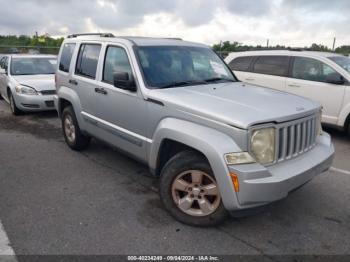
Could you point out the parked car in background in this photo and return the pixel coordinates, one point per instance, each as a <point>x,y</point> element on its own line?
<point>27,82</point>
<point>13,50</point>
<point>217,145</point>
<point>323,77</point>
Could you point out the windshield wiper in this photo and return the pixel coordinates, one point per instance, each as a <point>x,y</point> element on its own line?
<point>183,83</point>
<point>214,79</point>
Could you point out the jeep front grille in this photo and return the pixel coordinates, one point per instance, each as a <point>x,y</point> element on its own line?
<point>295,138</point>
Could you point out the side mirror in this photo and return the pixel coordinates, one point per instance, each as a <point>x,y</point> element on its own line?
<point>124,81</point>
<point>335,79</point>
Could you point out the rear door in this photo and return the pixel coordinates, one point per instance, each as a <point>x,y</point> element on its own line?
<point>269,71</point>
<point>83,80</point>
<point>308,78</point>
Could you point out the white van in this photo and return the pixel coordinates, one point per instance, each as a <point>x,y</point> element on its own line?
<point>323,77</point>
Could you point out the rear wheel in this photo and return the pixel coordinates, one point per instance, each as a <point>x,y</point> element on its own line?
<point>13,107</point>
<point>189,191</point>
<point>71,131</point>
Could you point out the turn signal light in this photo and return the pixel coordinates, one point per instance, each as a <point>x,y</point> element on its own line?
<point>235,181</point>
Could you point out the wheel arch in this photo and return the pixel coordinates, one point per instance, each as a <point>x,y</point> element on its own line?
<point>68,97</point>
<point>211,143</point>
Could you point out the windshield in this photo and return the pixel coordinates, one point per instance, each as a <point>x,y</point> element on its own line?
<point>33,66</point>
<point>172,66</point>
<point>342,61</point>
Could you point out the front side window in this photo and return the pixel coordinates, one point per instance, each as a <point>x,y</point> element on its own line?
<point>342,61</point>
<point>87,60</point>
<point>116,61</point>
<point>241,63</point>
<point>271,65</point>
<point>312,70</point>
<point>66,57</point>
<point>33,66</point>
<point>174,66</point>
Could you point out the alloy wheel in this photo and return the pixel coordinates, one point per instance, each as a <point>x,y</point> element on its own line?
<point>195,193</point>
<point>69,128</point>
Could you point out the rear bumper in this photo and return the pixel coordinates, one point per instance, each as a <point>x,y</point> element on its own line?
<point>32,103</point>
<point>261,185</point>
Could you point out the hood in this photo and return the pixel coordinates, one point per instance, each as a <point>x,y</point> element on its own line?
<point>38,82</point>
<point>237,104</point>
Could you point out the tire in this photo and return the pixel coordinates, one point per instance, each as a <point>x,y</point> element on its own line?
<point>14,109</point>
<point>71,131</point>
<point>182,190</point>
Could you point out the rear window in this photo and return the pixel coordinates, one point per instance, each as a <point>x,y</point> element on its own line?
<point>66,57</point>
<point>87,60</point>
<point>241,63</point>
<point>271,65</point>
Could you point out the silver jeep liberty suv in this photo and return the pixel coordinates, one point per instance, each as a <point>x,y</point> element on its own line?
<point>218,145</point>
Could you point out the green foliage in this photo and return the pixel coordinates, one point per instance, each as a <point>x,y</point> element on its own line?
<point>227,47</point>
<point>34,41</point>
<point>345,49</point>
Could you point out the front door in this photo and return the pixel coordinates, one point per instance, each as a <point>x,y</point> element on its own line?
<point>122,114</point>
<point>309,79</point>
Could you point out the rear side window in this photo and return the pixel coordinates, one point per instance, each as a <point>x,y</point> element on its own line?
<point>241,63</point>
<point>87,60</point>
<point>116,61</point>
<point>271,65</point>
<point>66,57</point>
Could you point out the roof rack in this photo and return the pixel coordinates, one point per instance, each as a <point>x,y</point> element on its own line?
<point>173,38</point>
<point>88,34</point>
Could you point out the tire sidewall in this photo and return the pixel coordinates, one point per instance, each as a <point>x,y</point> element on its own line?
<point>69,111</point>
<point>14,110</point>
<point>182,162</point>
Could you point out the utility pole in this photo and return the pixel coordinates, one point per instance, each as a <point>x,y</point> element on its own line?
<point>333,44</point>
<point>267,43</point>
<point>220,48</point>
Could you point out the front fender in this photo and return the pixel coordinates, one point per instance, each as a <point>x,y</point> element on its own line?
<point>212,143</point>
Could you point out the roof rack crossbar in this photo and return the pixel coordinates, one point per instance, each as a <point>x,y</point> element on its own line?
<point>92,34</point>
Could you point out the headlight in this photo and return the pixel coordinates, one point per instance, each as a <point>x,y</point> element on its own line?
<point>262,145</point>
<point>25,90</point>
<point>238,158</point>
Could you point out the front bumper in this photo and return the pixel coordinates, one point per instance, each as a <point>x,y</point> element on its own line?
<point>260,185</point>
<point>32,103</point>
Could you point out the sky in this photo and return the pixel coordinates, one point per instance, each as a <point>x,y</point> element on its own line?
<point>295,23</point>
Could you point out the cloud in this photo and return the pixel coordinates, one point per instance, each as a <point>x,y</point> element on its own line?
<point>292,22</point>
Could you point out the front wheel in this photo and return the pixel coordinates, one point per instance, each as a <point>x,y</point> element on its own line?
<point>14,109</point>
<point>71,131</point>
<point>189,191</point>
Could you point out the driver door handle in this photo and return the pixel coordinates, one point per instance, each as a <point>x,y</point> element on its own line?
<point>73,82</point>
<point>250,79</point>
<point>293,85</point>
<point>101,91</point>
